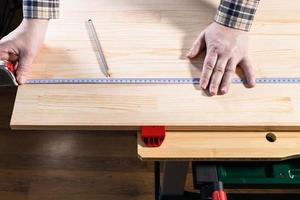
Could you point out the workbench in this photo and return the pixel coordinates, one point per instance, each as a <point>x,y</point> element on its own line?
<point>150,39</point>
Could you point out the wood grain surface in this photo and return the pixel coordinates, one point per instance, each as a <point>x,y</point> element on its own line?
<point>7,100</point>
<point>72,165</point>
<point>121,107</point>
<point>228,146</point>
<point>150,39</point>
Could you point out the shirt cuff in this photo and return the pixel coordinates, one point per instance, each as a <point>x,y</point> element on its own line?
<point>41,9</point>
<point>237,14</point>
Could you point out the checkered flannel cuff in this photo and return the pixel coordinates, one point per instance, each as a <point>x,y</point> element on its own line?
<point>237,14</point>
<point>41,9</point>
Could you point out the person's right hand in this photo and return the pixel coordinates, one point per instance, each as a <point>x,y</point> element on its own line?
<point>226,48</point>
<point>22,45</point>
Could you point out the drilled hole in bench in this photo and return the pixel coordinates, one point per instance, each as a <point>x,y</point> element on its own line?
<point>271,137</point>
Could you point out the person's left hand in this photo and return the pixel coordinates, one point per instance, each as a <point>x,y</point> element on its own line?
<point>22,45</point>
<point>226,48</point>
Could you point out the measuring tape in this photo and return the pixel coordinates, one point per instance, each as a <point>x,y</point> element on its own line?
<point>153,81</point>
<point>6,72</point>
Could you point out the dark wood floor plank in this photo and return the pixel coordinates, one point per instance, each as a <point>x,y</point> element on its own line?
<point>72,165</point>
<point>13,196</point>
<point>7,99</point>
<point>64,184</point>
<point>81,151</point>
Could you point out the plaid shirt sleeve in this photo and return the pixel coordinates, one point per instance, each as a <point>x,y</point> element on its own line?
<point>41,9</point>
<point>237,14</point>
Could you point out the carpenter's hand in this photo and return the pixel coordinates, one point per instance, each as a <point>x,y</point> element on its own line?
<point>226,49</point>
<point>21,46</point>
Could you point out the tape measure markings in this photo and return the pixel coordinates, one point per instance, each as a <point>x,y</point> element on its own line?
<point>153,81</point>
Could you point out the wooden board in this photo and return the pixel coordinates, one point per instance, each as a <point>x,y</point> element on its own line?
<point>149,39</point>
<point>179,145</point>
<point>120,107</point>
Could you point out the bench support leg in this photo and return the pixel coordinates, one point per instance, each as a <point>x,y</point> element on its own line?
<point>173,181</point>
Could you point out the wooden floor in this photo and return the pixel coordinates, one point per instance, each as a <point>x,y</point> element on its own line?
<point>71,166</point>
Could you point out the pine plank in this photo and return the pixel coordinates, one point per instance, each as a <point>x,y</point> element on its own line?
<point>229,146</point>
<point>150,39</point>
<point>121,107</point>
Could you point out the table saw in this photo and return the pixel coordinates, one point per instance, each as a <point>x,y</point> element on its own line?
<point>248,130</point>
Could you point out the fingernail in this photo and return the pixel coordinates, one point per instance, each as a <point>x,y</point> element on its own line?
<point>251,83</point>
<point>213,92</point>
<point>224,90</point>
<point>203,85</point>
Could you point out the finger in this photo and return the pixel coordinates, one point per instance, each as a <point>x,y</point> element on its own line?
<point>23,69</point>
<point>228,75</point>
<point>245,64</point>
<point>208,66</point>
<point>217,75</point>
<point>197,47</point>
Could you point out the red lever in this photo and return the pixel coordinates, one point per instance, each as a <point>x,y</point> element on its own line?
<point>219,195</point>
<point>153,136</point>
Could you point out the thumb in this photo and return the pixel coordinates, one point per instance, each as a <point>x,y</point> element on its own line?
<point>23,68</point>
<point>198,46</point>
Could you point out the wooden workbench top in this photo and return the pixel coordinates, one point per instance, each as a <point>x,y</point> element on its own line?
<point>149,39</point>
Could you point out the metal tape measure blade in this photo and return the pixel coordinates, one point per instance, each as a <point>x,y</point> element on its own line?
<point>154,81</point>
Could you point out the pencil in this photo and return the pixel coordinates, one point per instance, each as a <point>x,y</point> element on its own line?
<point>103,65</point>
